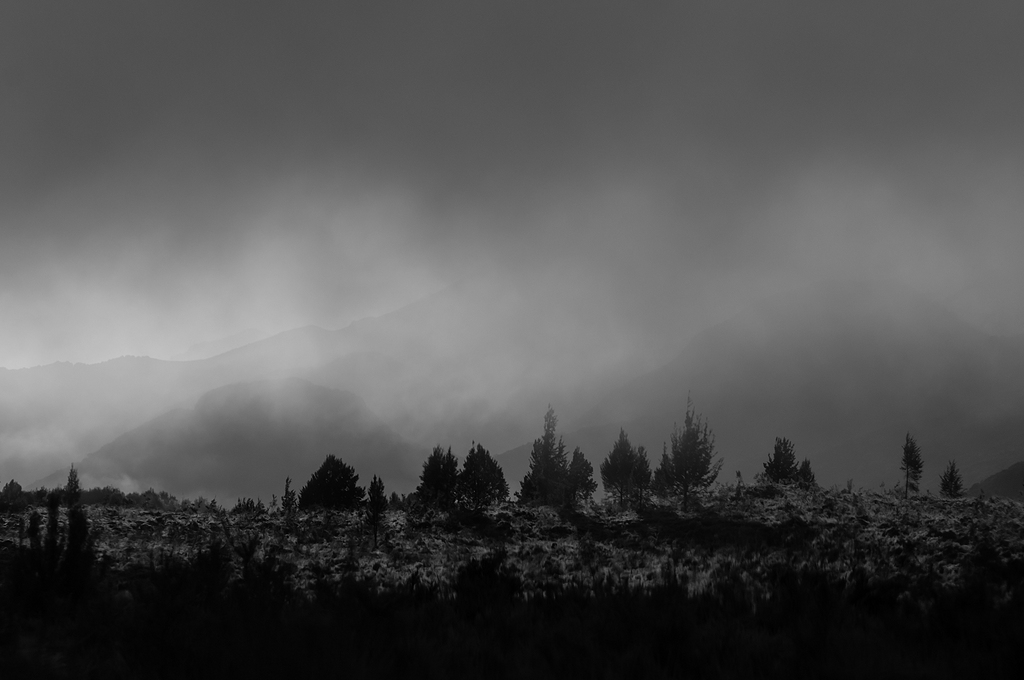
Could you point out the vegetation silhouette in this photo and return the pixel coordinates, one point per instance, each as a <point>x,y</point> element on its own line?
<point>912,465</point>
<point>333,486</point>
<point>691,467</point>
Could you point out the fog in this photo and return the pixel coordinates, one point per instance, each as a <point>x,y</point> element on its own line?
<point>171,175</point>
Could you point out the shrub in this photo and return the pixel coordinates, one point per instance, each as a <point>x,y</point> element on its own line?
<point>332,486</point>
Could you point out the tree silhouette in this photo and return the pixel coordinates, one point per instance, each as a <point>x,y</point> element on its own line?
<point>912,465</point>
<point>691,467</point>
<point>951,485</point>
<point>482,481</point>
<point>547,480</point>
<point>439,479</point>
<point>72,489</point>
<point>333,486</point>
<point>289,502</point>
<point>581,485</point>
<point>805,476</point>
<point>376,505</point>
<point>781,466</point>
<point>626,472</point>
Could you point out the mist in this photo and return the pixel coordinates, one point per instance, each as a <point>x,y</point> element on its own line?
<point>618,178</point>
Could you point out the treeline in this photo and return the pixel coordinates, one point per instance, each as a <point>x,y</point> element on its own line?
<point>687,467</point>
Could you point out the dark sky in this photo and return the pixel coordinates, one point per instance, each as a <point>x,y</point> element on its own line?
<point>175,172</point>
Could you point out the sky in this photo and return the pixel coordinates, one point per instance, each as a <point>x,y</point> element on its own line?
<point>173,173</point>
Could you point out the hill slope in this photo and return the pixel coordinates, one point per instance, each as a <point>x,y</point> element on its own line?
<point>244,439</point>
<point>845,371</point>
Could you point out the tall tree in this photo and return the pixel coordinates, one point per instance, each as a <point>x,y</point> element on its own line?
<point>580,483</point>
<point>664,475</point>
<point>548,477</point>
<point>781,466</point>
<point>376,506</point>
<point>72,489</point>
<point>482,481</point>
<point>912,465</point>
<point>332,486</point>
<point>439,480</point>
<point>693,450</point>
<point>951,484</point>
<point>617,469</point>
<point>626,472</point>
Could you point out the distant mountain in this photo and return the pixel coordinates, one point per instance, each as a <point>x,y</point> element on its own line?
<point>844,370</point>
<point>205,350</point>
<point>1008,483</point>
<point>244,439</point>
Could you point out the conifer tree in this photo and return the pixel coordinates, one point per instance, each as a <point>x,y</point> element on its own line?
<point>332,486</point>
<point>693,467</point>
<point>626,472</point>
<point>482,481</point>
<point>664,478</point>
<point>439,479</point>
<point>805,476</point>
<point>72,489</point>
<point>781,466</point>
<point>547,480</point>
<point>951,485</point>
<point>580,483</point>
<point>912,465</point>
<point>376,505</point>
<point>289,502</point>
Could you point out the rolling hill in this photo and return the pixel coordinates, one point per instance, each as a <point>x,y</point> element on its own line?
<point>244,439</point>
<point>844,370</point>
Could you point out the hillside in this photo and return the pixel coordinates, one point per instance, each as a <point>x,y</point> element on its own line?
<point>244,439</point>
<point>843,370</point>
<point>1008,483</point>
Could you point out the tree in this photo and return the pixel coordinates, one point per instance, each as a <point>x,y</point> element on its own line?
<point>805,476</point>
<point>482,481</point>
<point>439,479</point>
<point>333,486</point>
<point>581,485</point>
<point>547,480</point>
<point>289,502</point>
<point>691,468</point>
<point>376,505</point>
<point>912,465</point>
<point>663,477</point>
<point>781,467</point>
<point>626,472</point>
<point>72,489</point>
<point>951,485</point>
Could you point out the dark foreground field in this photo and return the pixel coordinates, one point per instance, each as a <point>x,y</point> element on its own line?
<point>768,582</point>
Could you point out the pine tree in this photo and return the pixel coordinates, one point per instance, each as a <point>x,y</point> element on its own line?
<point>482,481</point>
<point>439,479</point>
<point>617,469</point>
<point>581,485</point>
<point>376,505</point>
<point>547,480</point>
<point>626,472</point>
<point>912,465</point>
<point>805,476</point>
<point>781,467</point>
<point>332,486</point>
<point>72,489</point>
<point>664,476</point>
<point>951,485</point>
<point>641,478</point>
<point>289,502</point>
<point>693,451</point>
